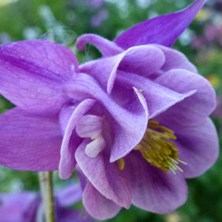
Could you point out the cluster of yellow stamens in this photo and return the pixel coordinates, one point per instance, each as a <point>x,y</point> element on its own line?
<point>158,149</point>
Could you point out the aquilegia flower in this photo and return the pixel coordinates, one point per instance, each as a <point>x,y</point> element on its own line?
<point>27,206</point>
<point>135,121</point>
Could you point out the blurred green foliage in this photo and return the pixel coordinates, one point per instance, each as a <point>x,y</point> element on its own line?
<point>63,21</point>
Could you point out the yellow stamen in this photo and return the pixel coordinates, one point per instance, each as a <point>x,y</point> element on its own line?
<point>158,149</point>
<point>121,164</point>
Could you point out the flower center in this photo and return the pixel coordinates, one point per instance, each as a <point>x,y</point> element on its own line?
<point>158,149</point>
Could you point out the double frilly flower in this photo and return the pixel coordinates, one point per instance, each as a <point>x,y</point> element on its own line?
<point>134,123</point>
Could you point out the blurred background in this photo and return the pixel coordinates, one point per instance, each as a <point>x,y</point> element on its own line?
<point>63,21</point>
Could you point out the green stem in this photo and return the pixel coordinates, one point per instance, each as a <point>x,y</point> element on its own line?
<point>46,186</point>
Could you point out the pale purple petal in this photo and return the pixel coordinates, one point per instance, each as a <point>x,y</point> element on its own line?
<point>195,108</point>
<point>106,47</point>
<point>104,176</point>
<point>95,147</point>
<point>19,207</point>
<point>67,161</point>
<point>97,205</point>
<point>163,30</point>
<point>154,190</point>
<point>198,147</point>
<point>69,195</point>
<point>29,142</point>
<point>89,126</point>
<point>70,215</point>
<point>33,73</point>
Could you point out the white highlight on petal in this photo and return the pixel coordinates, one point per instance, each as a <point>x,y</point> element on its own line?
<point>95,147</point>
<point>89,126</point>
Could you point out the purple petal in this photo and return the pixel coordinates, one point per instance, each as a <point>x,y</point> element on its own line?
<point>32,74</point>
<point>104,176</point>
<point>198,147</point>
<point>68,215</point>
<point>126,134</point>
<point>67,161</point>
<point>163,30</point>
<point>29,142</point>
<point>153,189</point>
<point>19,207</point>
<point>97,205</point>
<point>69,195</point>
<point>106,47</point>
<point>175,60</point>
<point>193,109</point>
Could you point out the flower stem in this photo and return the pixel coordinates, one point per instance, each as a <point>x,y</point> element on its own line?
<point>46,186</point>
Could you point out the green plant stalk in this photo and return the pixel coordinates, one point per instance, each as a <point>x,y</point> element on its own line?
<point>46,186</point>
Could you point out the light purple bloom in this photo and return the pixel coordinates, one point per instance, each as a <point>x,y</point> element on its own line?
<point>135,121</point>
<point>218,111</point>
<point>99,18</point>
<point>27,206</point>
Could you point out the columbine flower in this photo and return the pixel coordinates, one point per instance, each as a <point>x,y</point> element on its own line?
<point>27,206</point>
<point>135,121</point>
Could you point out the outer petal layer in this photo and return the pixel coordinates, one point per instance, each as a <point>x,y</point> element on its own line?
<point>29,142</point>
<point>193,109</point>
<point>198,147</point>
<point>163,30</point>
<point>154,190</point>
<point>97,205</point>
<point>32,74</point>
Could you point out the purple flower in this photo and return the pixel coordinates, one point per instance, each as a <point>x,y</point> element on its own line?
<point>135,121</point>
<point>218,111</point>
<point>99,18</point>
<point>27,206</point>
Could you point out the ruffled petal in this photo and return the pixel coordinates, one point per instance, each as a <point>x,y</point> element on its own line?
<point>97,205</point>
<point>154,190</point>
<point>67,161</point>
<point>198,147</point>
<point>143,60</point>
<point>126,134</point>
<point>32,74</point>
<point>29,142</point>
<point>193,109</point>
<point>104,176</point>
<point>163,30</point>
<point>175,60</point>
<point>106,47</point>
<point>158,97</point>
